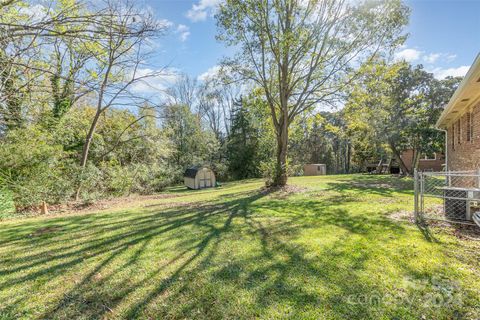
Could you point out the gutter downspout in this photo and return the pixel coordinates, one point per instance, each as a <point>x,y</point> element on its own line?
<point>446,147</point>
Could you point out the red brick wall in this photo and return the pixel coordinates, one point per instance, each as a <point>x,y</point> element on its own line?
<point>466,154</point>
<point>423,165</point>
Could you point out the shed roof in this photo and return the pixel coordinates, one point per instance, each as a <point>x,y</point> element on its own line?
<point>191,172</point>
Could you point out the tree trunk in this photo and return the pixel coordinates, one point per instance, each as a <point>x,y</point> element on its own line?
<point>416,159</point>
<point>280,178</point>
<point>349,157</point>
<point>86,149</point>
<point>396,153</point>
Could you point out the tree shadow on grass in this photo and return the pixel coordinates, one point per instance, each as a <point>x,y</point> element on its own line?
<point>385,186</point>
<point>265,273</point>
<point>196,261</point>
<point>424,228</point>
<point>132,232</point>
<point>271,272</point>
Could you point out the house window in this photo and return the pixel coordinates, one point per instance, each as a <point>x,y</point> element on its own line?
<point>459,131</point>
<point>429,156</point>
<point>469,126</point>
<point>453,137</point>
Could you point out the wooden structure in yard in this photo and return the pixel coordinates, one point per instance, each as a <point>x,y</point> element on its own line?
<point>382,167</point>
<point>199,178</point>
<point>314,169</point>
<point>426,162</point>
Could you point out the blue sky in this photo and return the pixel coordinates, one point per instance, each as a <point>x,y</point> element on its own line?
<point>444,35</point>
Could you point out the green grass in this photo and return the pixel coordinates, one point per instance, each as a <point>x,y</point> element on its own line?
<point>7,207</point>
<point>329,252</point>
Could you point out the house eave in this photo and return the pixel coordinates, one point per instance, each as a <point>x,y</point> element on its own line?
<point>466,95</point>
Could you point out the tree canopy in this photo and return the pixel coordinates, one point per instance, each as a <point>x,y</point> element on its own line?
<point>310,82</point>
<point>301,53</point>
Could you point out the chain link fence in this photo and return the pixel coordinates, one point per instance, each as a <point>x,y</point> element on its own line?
<point>452,196</point>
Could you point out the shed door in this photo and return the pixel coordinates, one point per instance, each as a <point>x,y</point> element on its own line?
<point>208,179</point>
<point>205,179</point>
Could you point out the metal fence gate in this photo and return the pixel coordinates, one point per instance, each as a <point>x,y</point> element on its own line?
<point>452,196</point>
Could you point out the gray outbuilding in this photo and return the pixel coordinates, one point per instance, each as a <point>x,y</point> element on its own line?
<point>199,178</point>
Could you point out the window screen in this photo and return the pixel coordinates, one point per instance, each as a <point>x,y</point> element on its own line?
<point>453,136</point>
<point>459,132</point>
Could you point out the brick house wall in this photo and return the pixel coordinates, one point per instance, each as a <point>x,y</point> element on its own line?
<point>463,154</point>
<point>423,164</point>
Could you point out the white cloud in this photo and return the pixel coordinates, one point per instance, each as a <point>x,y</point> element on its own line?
<point>450,57</point>
<point>442,73</point>
<point>418,56</point>
<point>435,57</point>
<point>183,32</point>
<point>164,23</point>
<point>431,58</point>
<point>408,55</point>
<point>203,9</point>
<point>196,16</point>
<point>210,73</point>
<point>155,80</point>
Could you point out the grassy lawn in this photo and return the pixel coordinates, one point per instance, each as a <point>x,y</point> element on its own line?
<point>331,250</point>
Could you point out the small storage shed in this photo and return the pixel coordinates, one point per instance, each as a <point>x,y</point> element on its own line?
<point>314,169</point>
<point>199,178</point>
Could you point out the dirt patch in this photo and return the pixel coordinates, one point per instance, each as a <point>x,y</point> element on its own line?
<point>74,207</point>
<point>403,215</point>
<point>466,232</point>
<point>158,196</point>
<point>460,231</point>
<point>282,192</point>
<point>171,205</point>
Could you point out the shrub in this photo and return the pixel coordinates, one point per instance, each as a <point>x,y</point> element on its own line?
<point>34,168</point>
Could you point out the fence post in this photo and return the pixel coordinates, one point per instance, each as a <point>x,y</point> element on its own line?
<point>415,190</point>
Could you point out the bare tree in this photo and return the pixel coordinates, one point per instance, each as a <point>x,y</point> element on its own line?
<point>124,31</point>
<point>209,107</point>
<point>229,93</point>
<point>301,53</point>
<point>223,91</point>
<point>23,20</point>
<point>216,96</point>
<point>31,36</point>
<point>183,91</point>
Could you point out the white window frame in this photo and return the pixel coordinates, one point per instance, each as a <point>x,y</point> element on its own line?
<point>425,157</point>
